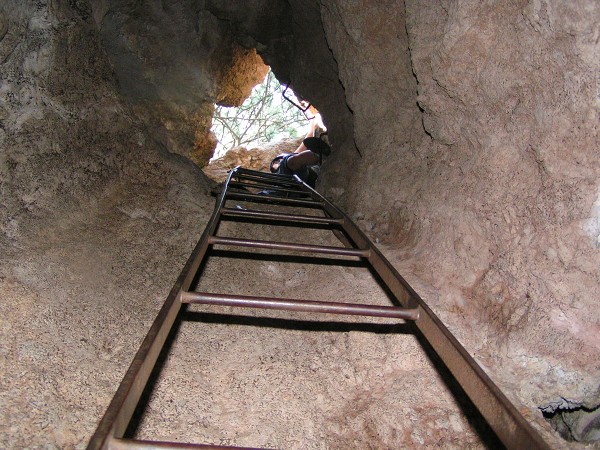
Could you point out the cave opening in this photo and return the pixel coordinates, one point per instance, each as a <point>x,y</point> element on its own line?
<point>271,121</point>
<point>265,117</point>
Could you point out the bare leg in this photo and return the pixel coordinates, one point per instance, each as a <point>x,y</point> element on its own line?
<point>298,160</point>
<point>314,123</point>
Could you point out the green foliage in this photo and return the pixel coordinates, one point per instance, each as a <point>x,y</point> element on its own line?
<point>264,117</point>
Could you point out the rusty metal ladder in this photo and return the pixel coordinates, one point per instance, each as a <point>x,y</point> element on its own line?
<point>506,421</point>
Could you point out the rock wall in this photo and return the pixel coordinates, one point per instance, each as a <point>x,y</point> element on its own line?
<point>249,158</point>
<point>174,61</point>
<point>480,174</point>
<point>96,220</point>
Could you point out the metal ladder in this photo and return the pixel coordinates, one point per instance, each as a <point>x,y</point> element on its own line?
<point>506,421</point>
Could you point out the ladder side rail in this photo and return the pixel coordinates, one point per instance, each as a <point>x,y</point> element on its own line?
<point>390,276</point>
<point>338,233</point>
<point>504,418</point>
<point>120,410</point>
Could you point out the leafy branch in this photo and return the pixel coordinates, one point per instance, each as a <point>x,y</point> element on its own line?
<point>263,116</point>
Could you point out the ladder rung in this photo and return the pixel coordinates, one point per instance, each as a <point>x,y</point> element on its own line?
<point>242,171</point>
<point>125,444</point>
<point>363,253</point>
<point>281,217</point>
<point>258,185</point>
<point>277,179</point>
<point>288,304</point>
<point>273,199</point>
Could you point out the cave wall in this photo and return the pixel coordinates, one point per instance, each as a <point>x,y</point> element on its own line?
<point>173,62</point>
<point>97,218</point>
<point>480,174</point>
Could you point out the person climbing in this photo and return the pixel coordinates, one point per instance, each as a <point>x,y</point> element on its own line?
<point>307,158</point>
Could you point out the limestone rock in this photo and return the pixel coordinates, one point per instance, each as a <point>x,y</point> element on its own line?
<point>250,158</point>
<point>244,72</point>
<point>96,220</point>
<point>486,190</point>
<point>174,61</point>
